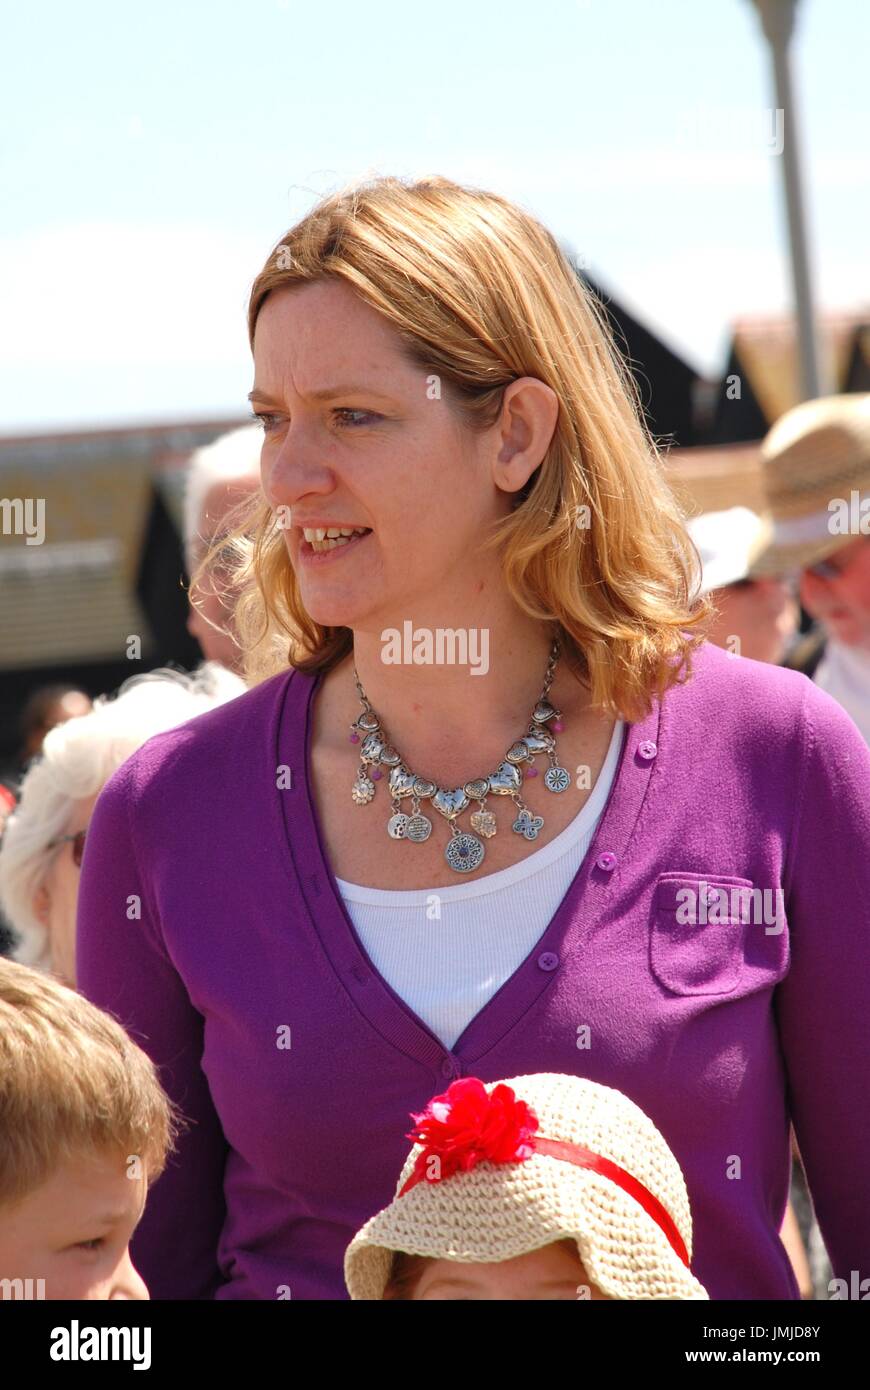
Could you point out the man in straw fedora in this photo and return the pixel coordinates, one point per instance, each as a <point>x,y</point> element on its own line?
<point>817,465</point>
<point>800,513</point>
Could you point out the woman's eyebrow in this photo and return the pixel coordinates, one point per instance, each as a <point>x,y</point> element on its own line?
<point>326,393</point>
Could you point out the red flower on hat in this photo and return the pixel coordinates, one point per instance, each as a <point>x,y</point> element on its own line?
<point>469,1124</point>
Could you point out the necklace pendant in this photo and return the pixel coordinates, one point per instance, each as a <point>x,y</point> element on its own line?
<point>556,779</point>
<point>506,780</point>
<point>544,711</point>
<point>484,822</point>
<point>464,852</point>
<point>419,828</point>
<point>450,803</point>
<point>362,790</point>
<point>528,825</point>
<point>518,752</point>
<point>372,747</point>
<point>538,741</point>
<point>397,826</point>
<point>477,789</point>
<point>401,781</point>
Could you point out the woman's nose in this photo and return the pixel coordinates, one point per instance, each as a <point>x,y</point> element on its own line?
<point>295,469</point>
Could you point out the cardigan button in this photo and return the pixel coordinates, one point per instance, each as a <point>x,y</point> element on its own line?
<point>647,750</point>
<point>548,960</point>
<point>606,861</point>
<point>447,1068</point>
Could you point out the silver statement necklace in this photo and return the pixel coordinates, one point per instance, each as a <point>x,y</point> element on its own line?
<point>464,852</point>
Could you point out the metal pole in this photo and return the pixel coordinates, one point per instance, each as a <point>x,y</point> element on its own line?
<point>777,21</point>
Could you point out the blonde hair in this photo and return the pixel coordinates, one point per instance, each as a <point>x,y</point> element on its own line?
<point>77,759</point>
<point>71,1083</point>
<point>233,459</point>
<point>481,294</point>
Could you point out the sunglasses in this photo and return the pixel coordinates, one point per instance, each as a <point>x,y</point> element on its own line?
<point>828,569</point>
<point>788,577</point>
<point>78,845</point>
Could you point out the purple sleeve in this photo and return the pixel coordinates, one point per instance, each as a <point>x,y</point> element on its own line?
<point>123,966</point>
<point>823,1003</point>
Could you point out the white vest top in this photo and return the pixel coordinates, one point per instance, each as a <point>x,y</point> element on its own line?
<point>447,951</point>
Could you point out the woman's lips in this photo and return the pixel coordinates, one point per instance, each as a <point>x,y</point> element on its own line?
<point>309,556</point>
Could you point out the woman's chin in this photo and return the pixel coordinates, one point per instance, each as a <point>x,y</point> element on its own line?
<point>330,613</point>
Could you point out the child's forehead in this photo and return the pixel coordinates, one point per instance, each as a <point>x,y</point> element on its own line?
<point>92,1172</point>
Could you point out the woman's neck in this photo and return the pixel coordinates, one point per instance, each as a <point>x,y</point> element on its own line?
<point>446,722</point>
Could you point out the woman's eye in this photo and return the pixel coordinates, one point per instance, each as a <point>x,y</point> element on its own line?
<point>262,420</point>
<point>267,422</point>
<point>349,410</point>
<point>91,1244</point>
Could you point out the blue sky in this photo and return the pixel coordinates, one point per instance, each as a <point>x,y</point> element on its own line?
<point>150,156</point>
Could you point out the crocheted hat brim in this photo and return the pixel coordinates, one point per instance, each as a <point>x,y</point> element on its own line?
<point>497,1212</point>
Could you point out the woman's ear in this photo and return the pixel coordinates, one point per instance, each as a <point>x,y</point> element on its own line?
<point>530,412</point>
<point>42,904</point>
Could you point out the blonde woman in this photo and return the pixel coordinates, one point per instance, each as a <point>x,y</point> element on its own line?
<point>492,807</point>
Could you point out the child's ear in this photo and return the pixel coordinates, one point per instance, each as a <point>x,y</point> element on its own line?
<point>42,904</point>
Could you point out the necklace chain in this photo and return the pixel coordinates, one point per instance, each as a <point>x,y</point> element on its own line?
<point>465,851</point>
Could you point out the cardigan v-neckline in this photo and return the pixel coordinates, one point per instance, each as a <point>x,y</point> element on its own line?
<point>583,905</point>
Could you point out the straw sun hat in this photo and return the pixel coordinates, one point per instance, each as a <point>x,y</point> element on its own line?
<point>729,543</point>
<point>816,466</point>
<point>502,1169</point>
<point>808,494</point>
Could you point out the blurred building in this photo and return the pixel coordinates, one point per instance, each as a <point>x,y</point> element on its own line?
<point>110,566</point>
<point>762,380</point>
<point>676,399</point>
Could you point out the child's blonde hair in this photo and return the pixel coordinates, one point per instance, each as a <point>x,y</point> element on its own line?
<point>71,1082</point>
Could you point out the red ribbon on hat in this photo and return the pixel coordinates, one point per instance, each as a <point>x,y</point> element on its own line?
<point>468,1125</point>
<point>585,1158</point>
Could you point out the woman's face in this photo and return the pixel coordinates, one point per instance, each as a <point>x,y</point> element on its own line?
<point>841,600</point>
<point>355,435</point>
<point>56,898</point>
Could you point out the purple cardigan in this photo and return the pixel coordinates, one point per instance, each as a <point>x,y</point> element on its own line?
<point>746,775</point>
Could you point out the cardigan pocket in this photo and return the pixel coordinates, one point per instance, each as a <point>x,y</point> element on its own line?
<point>698,932</point>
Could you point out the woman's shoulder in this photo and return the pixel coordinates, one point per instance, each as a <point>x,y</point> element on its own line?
<point>733,697</point>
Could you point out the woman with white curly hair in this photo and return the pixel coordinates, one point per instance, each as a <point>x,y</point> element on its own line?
<point>44,839</point>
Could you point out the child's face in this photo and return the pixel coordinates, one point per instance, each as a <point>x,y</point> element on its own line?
<point>73,1232</point>
<point>555,1272</point>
